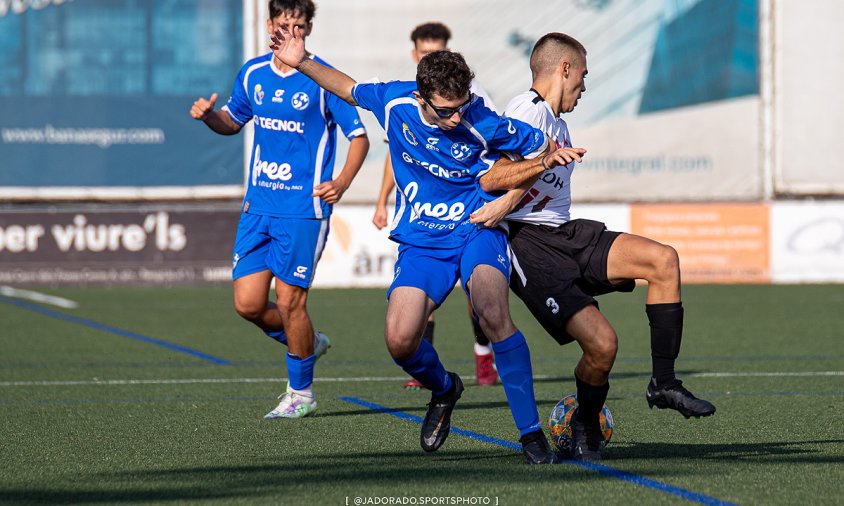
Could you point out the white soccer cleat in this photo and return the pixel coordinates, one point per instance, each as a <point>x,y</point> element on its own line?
<point>292,405</point>
<point>321,344</point>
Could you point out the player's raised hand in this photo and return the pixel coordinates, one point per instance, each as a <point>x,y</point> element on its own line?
<point>329,191</point>
<point>289,47</point>
<point>201,108</point>
<point>564,156</point>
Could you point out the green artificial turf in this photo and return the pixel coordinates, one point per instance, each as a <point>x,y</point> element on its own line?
<point>92,412</point>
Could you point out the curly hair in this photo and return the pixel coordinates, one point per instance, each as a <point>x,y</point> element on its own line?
<point>304,8</point>
<point>444,73</point>
<point>431,31</point>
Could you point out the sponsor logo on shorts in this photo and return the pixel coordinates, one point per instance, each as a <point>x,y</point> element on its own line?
<point>551,303</point>
<point>235,260</point>
<point>396,275</point>
<point>408,135</point>
<point>258,94</point>
<point>502,260</point>
<point>300,101</point>
<point>300,272</point>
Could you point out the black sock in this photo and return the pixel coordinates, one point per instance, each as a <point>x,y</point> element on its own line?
<point>590,400</point>
<point>480,337</point>
<point>666,322</point>
<point>428,333</point>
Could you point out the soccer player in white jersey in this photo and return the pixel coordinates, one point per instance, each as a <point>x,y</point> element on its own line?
<point>561,264</point>
<point>289,196</point>
<point>428,38</point>
<point>437,189</point>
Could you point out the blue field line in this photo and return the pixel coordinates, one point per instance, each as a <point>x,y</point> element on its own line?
<point>114,330</point>
<point>598,468</point>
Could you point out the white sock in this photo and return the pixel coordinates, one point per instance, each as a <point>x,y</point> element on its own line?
<point>307,392</point>
<point>482,350</point>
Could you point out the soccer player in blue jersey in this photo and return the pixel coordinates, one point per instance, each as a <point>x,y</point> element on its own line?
<point>289,196</point>
<point>438,185</point>
<point>427,38</point>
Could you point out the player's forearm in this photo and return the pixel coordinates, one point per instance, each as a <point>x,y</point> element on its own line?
<point>329,79</point>
<point>221,123</point>
<point>508,175</point>
<point>358,148</point>
<point>387,182</point>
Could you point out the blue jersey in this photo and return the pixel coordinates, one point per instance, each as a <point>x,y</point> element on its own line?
<point>295,132</point>
<point>437,171</point>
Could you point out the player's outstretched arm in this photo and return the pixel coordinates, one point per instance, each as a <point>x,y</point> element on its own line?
<point>331,191</point>
<point>218,121</point>
<point>289,48</point>
<point>508,175</point>
<point>492,213</point>
<point>379,219</point>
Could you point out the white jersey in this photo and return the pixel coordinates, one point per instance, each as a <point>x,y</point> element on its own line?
<point>548,202</point>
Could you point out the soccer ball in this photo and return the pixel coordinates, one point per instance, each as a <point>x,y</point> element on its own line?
<point>559,423</point>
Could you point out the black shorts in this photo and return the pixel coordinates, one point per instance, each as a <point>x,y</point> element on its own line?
<point>557,271</point>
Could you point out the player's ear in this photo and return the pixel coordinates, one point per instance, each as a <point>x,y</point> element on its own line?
<point>270,26</point>
<point>565,66</point>
<point>414,54</point>
<point>308,28</point>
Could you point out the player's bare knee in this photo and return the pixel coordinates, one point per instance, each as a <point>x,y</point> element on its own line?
<point>493,316</point>
<point>249,309</point>
<point>602,350</point>
<point>399,346</point>
<point>665,266</point>
<point>291,304</point>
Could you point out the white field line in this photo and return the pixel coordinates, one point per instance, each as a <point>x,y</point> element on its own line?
<point>18,293</point>
<point>364,379</point>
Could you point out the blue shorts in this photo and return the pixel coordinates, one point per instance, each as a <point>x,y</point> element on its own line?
<point>289,247</point>
<point>435,271</point>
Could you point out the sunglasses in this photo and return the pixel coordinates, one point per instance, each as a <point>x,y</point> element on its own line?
<point>447,112</point>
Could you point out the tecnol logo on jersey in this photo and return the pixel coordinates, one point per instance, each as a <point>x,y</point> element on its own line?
<point>280,125</point>
<point>272,170</point>
<point>433,168</point>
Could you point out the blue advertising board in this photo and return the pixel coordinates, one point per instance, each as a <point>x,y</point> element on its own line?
<point>96,93</point>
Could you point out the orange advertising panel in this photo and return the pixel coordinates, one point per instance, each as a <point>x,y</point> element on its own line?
<point>717,243</point>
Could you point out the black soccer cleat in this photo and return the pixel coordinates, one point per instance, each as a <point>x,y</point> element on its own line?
<point>437,421</point>
<point>585,440</point>
<point>674,395</point>
<point>537,450</point>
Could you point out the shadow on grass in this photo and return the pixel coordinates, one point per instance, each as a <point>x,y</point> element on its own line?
<point>760,452</point>
<point>295,479</point>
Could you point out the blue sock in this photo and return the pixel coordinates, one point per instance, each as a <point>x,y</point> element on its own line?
<point>300,371</point>
<point>278,335</point>
<point>512,357</point>
<point>426,367</point>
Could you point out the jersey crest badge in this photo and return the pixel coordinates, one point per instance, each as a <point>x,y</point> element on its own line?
<point>460,151</point>
<point>300,101</point>
<point>408,135</point>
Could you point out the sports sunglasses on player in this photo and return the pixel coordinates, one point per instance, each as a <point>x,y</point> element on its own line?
<point>447,112</point>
